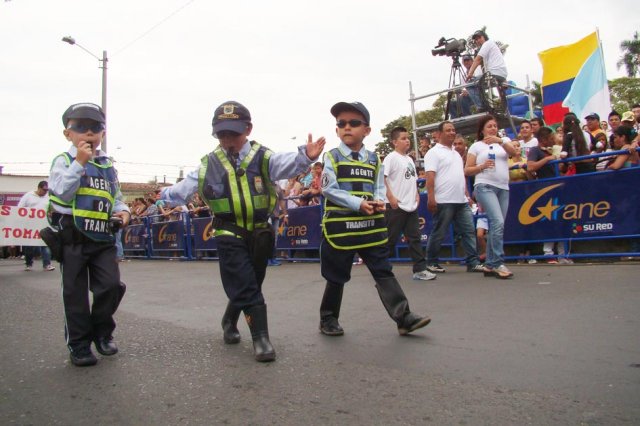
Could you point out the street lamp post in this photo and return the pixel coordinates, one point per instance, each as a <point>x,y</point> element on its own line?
<point>103,63</point>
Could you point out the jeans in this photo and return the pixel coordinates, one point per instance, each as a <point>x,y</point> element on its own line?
<point>474,92</point>
<point>495,203</point>
<point>275,224</point>
<point>44,251</point>
<point>119,248</point>
<point>465,106</point>
<point>462,217</point>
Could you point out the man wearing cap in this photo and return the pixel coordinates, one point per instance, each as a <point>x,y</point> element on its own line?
<point>627,119</point>
<point>87,207</point>
<point>38,199</point>
<point>489,56</point>
<point>593,127</point>
<point>354,222</point>
<point>236,181</point>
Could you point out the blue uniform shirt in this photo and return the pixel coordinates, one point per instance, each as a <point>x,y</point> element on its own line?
<point>282,165</point>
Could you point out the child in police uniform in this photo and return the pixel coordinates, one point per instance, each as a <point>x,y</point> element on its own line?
<point>353,222</point>
<point>235,180</point>
<point>86,203</point>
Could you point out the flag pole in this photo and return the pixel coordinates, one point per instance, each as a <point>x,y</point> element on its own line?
<point>602,50</point>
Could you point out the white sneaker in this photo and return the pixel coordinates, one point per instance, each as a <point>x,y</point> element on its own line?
<point>532,261</point>
<point>502,272</point>
<point>49,267</point>
<point>424,276</point>
<point>28,268</point>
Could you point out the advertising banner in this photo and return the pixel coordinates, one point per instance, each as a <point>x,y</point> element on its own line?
<point>11,199</point>
<point>20,226</point>
<point>168,235</point>
<point>604,204</point>
<point>301,230</point>
<point>203,238</point>
<point>134,237</point>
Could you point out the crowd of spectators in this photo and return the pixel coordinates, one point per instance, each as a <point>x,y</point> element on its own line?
<point>157,211</point>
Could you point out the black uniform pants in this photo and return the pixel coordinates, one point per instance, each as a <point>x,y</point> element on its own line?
<point>89,266</point>
<point>242,276</point>
<point>335,265</point>
<point>408,223</point>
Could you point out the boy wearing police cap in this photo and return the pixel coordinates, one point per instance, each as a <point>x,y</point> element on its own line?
<point>236,182</point>
<point>353,222</point>
<point>86,203</point>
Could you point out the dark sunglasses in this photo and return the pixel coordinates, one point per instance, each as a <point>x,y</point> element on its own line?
<point>352,123</point>
<point>85,126</point>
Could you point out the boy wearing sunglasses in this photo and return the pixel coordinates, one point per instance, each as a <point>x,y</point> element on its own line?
<point>353,222</point>
<point>86,208</point>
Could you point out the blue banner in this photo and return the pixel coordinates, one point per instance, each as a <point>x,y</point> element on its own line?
<point>603,204</point>
<point>301,230</point>
<point>203,238</point>
<point>168,235</point>
<point>134,237</point>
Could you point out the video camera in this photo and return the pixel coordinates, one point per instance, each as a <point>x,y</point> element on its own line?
<point>449,47</point>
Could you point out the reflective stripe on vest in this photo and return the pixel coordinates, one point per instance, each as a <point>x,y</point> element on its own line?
<point>342,227</point>
<point>52,198</point>
<point>245,198</point>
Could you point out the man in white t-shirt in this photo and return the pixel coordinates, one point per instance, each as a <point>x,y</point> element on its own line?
<point>489,56</point>
<point>38,199</point>
<point>402,202</point>
<point>527,141</point>
<point>448,202</point>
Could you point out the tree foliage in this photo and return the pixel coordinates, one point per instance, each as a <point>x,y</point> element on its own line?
<point>429,116</point>
<point>536,95</point>
<point>630,58</point>
<point>624,92</point>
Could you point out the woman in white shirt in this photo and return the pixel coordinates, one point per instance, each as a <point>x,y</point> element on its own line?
<point>491,188</point>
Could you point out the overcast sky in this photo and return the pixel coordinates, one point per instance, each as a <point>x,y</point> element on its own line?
<point>287,61</point>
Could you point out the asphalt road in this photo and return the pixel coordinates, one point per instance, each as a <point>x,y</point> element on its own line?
<point>556,345</point>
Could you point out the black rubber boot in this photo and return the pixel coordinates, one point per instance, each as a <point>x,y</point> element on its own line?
<point>257,319</point>
<point>397,306</point>
<point>330,310</point>
<point>231,335</point>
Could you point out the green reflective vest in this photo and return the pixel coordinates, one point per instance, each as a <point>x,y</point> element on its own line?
<point>94,200</point>
<point>342,227</point>
<point>244,196</point>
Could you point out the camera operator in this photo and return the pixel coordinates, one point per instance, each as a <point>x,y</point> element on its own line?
<point>489,56</point>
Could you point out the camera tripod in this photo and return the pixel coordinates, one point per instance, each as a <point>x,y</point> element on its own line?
<point>456,78</point>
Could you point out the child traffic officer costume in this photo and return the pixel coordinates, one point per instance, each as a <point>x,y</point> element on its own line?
<point>85,202</point>
<point>236,181</point>
<point>353,222</point>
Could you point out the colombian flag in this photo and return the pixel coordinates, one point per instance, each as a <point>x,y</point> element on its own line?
<point>574,79</point>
